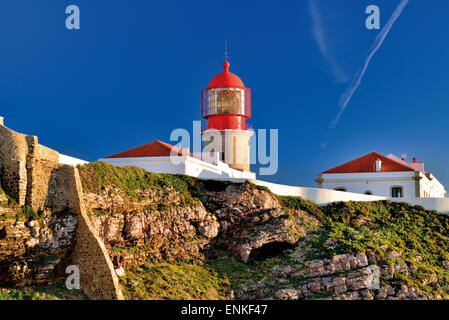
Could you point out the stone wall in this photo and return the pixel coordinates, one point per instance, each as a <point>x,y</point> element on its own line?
<point>31,174</point>
<point>13,173</point>
<point>98,278</point>
<point>41,162</point>
<point>25,167</point>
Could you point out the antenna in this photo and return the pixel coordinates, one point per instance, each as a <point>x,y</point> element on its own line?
<point>226,50</point>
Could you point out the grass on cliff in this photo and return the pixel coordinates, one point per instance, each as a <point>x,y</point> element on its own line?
<point>96,176</point>
<point>179,280</point>
<point>420,236</point>
<point>412,230</point>
<point>55,291</point>
<point>196,279</point>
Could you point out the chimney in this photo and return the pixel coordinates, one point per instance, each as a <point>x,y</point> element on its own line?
<point>2,121</point>
<point>378,165</point>
<point>414,160</point>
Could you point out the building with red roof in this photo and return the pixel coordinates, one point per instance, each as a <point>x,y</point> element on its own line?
<point>161,157</point>
<point>389,176</point>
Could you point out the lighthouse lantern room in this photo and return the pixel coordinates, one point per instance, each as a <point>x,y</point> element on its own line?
<point>226,105</point>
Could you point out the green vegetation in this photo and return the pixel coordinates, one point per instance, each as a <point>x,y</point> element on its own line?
<point>55,291</point>
<point>239,273</point>
<point>174,281</point>
<point>195,279</point>
<point>298,203</point>
<point>47,260</point>
<point>412,230</point>
<point>30,214</point>
<point>420,236</point>
<point>11,202</point>
<point>96,176</point>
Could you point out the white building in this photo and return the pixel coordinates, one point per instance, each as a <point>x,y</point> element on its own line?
<point>161,157</point>
<point>388,176</point>
<point>63,159</point>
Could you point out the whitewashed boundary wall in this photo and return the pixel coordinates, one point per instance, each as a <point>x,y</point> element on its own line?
<point>326,196</point>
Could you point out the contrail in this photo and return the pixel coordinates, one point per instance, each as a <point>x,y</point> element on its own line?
<point>319,34</point>
<point>355,83</point>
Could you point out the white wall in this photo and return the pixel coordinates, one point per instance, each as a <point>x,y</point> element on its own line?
<point>320,196</point>
<point>63,159</point>
<point>438,204</point>
<point>431,188</point>
<point>187,165</point>
<point>152,164</point>
<point>379,183</point>
<point>326,196</point>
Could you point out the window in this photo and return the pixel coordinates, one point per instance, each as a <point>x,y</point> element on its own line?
<point>369,193</point>
<point>340,189</point>
<point>396,192</point>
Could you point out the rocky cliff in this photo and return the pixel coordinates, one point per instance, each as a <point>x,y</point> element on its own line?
<point>177,237</point>
<point>241,241</point>
<point>35,247</point>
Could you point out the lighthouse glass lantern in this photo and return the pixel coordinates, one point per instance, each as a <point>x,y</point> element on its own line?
<point>226,105</point>
<point>226,108</point>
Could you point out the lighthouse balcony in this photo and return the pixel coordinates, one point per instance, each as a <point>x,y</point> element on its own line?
<point>244,127</point>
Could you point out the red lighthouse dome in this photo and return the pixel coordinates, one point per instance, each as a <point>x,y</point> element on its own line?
<point>226,79</point>
<point>226,102</point>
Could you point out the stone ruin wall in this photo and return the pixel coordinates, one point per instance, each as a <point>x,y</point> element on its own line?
<point>31,174</point>
<point>98,278</point>
<point>25,167</point>
<point>13,153</point>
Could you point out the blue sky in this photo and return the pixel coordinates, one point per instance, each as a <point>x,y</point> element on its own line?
<point>135,70</point>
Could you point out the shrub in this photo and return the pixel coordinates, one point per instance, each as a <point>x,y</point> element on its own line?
<point>298,203</point>
<point>30,213</point>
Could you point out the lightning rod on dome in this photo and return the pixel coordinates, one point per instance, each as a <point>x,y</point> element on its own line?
<point>226,50</point>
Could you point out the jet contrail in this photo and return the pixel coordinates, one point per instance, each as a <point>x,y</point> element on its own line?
<point>319,34</point>
<point>355,83</point>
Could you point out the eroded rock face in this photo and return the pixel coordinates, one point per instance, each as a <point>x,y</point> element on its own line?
<point>35,251</point>
<point>156,218</point>
<point>251,219</point>
<point>240,217</point>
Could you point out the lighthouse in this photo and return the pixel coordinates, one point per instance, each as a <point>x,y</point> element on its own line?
<point>226,105</point>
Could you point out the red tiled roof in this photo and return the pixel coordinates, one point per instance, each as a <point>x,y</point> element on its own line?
<point>367,163</point>
<point>153,149</point>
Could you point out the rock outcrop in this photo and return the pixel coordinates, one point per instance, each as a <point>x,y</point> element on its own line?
<point>253,223</point>
<point>152,217</point>
<point>35,251</point>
